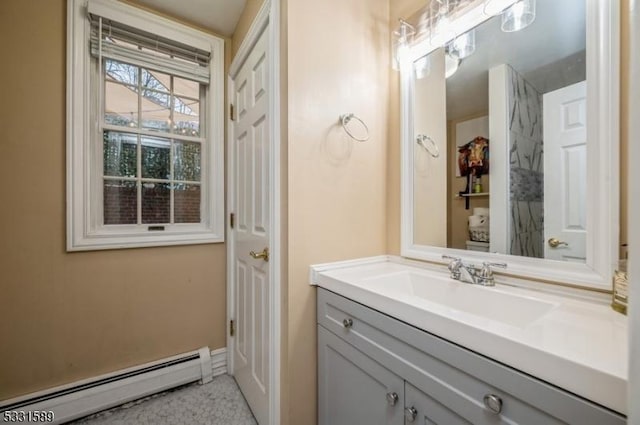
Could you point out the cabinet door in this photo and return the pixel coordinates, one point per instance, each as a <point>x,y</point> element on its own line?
<point>354,389</point>
<point>423,410</point>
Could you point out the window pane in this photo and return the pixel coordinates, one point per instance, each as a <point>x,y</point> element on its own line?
<point>156,201</point>
<point>186,199</point>
<point>156,158</point>
<point>188,88</point>
<point>155,80</point>
<point>121,72</point>
<point>186,115</point>
<point>120,104</point>
<point>186,161</point>
<point>120,154</point>
<point>120,202</point>
<point>156,110</point>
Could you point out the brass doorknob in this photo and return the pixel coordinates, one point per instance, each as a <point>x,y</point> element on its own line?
<point>554,243</point>
<point>264,255</point>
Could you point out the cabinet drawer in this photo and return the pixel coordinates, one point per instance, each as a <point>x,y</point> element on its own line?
<point>454,376</point>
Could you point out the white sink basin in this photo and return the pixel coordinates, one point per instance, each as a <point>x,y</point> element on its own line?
<point>574,342</point>
<point>487,302</point>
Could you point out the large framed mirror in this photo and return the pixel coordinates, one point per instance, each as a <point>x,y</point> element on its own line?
<point>510,139</point>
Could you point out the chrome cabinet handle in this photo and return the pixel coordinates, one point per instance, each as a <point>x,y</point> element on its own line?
<point>392,399</point>
<point>410,413</point>
<point>554,243</point>
<point>264,255</point>
<point>347,323</point>
<point>493,403</point>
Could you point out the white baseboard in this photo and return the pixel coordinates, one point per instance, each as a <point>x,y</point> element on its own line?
<point>88,396</point>
<point>219,361</point>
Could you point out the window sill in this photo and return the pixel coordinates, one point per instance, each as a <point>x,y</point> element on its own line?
<point>104,242</point>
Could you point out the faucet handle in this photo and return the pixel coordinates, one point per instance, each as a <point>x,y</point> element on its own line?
<point>491,264</point>
<point>454,265</point>
<point>485,276</point>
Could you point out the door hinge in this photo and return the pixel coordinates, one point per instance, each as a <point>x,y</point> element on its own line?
<point>232,220</point>
<point>232,328</point>
<point>232,112</point>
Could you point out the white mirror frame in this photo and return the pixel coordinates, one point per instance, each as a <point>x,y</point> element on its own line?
<point>603,158</point>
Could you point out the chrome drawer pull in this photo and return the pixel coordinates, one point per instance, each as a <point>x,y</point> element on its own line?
<point>493,403</point>
<point>410,414</point>
<point>347,323</point>
<point>392,399</point>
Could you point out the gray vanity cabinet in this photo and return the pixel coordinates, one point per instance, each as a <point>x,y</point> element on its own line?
<point>355,389</point>
<point>374,369</point>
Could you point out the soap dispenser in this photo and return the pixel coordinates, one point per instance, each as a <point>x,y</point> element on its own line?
<point>620,295</point>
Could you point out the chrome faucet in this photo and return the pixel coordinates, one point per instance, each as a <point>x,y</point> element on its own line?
<point>472,274</point>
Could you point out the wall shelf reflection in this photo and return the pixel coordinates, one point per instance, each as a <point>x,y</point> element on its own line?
<point>472,195</point>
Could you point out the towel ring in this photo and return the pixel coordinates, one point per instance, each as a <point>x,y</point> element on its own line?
<point>346,118</point>
<point>434,151</point>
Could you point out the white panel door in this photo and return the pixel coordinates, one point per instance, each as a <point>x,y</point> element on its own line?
<point>251,146</point>
<point>565,173</point>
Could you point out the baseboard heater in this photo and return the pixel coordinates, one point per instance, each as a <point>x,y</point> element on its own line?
<point>82,398</point>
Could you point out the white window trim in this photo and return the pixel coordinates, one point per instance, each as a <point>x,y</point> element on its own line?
<point>84,228</point>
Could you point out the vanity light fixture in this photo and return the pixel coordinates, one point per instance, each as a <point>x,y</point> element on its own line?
<point>401,39</point>
<point>519,16</point>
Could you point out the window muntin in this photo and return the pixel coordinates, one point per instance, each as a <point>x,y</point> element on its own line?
<point>154,178</point>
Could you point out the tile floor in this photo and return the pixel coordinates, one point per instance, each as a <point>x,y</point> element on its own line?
<point>217,403</point>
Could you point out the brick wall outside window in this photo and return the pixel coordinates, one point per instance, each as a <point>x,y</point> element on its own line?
<point>121,199</point>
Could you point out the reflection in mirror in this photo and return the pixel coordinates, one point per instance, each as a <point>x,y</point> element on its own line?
<point>509,121</point>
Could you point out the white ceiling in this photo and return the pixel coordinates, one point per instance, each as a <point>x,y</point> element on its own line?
<point>221,16</point>
<point>556,36</point>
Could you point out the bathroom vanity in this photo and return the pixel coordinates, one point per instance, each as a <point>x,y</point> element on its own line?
<point>401,342</point>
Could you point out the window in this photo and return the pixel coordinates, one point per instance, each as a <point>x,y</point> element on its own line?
<point>144,130</point>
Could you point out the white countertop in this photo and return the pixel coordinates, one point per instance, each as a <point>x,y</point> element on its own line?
<point>578,345</point>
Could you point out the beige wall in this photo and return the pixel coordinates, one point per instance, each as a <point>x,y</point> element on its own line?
<point>337,63</point>
<point>66,316</point>
<point>249,12</point>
